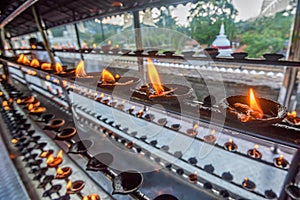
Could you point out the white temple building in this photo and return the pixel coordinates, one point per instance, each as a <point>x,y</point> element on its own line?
<point>222,43</point>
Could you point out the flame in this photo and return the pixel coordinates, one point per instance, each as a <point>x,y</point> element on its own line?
<point>230,140</point>
<point>109,42</point>
<point>58,67</point>
<point>117,76</point>
<point>20,58</point>
<point>35,63</point>
<point>80,72</point>
<point>44,154</point>
<point>85,198</point>
<point>195,127</point>
<point>46,66</point>
<point>33,46</point>
<point>107,77</point>
<point>60,154</point>
<point>154,77</point>
<point>30,106</point>
<point>48,77</point>
<point>213,132</point>
<point>140,113</point>
<point>293,114</point>
<point>94,196</point>
<point>254,104</point>
<point>245,183</point>
<point>59,171</point>
<point>69,185</point>
<point>50,159</point>
<point>94,46</point>
<point>5,103</point>
<point>26,61</point>
<point>14,141</point>
<point>1,93</point>
<point>256,146</point>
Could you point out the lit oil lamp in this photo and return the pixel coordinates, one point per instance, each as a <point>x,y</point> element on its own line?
<point>230,146</point>
<point>248,184</point>
<point>192,131</point>
<point>140,113</point>
<point>82,76</point>
<point>75,187</point>
<point>193,178</point>
<point>110,82</point>
<point>156,92</point>
<point>35,63</point>
<point>254,153</point>
<point>292,118</point>
<point>210,139</point>
<point>23,60</point>
<point>280,162</point>
<point>55,161</point>
<point>91,197</point>
<point>46,67</point>
<point>63,173</point>
<point>37,110</point>
<point>46,154</point>
<point>131,109</point>
<point>252,110</point>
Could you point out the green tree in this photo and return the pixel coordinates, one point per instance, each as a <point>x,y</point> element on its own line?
<point>265,34</point>
<point>206,19</point>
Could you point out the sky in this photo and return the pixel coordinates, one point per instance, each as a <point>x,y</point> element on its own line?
<point>246,9</point>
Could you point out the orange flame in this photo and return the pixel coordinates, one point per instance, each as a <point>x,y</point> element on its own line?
<point>80,71</point>
<point>35,63</point>
<point>254,104</point>
<point>26,61</point>
<point>20,58</point>
<point>50,159</point>
<point>292,114</point>
<point>69,185</point>
<point>58,67</point>
<point>60,154</point>
<point>154,77</point>
<point>59,171</point>
<point>5,103</point>
<point>44,154</point>
<point>107,77</point>
<point>46,66</point>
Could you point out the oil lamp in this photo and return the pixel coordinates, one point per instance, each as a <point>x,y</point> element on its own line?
<point>127,182</point>
<point>248,184</point>
<point>280,162</point>
<point>131,109</point>
<point>230,146</point>
<point>35,63</point>
<point>46,67</point>
<point>140,113</point>
<point>55,161</point>
<point>91,197</point>
<point>156,92</point>
<point>254,153</point>
<point>63,173</point>
<point>192,131</point>
<point>210,139</point>
<point>75,187</point>
<point>292,118</point>
<point>251,110</point>
<point>162,121</point>
<point>193,178</point>
<point>122,84</point>
<point>82,76</point>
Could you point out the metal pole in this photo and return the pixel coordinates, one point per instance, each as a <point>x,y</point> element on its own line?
<point>42,30</point>
<point>77,36</point>
<point>139,45</point>
<point>2,49</point>
<point>290,177</point>
<point>290,85</point>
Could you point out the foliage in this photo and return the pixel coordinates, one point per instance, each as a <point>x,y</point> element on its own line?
<point>207,17</point>
<point>58,31</point>
<point>266,34</point>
